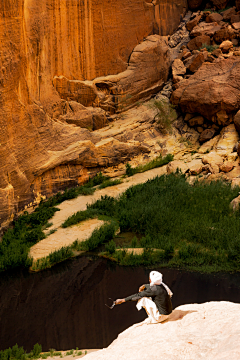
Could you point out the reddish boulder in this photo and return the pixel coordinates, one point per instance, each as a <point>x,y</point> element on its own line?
<point>194,62</point>
<point>197,42</point>
<point>228,14</point>
<point>192,23</point>
<point>236,25</point>
<point>206,135</point>
<point>226,46</point>
<point>194,4</point>
<point>213,89</point>
<point>220,4</point>
<point>236,121</point>
<point>226,33</point>
<point>204,28</point>
<point>213,17</point>
<point>235,18</point>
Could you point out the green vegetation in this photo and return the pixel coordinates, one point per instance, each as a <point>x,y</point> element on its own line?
<point>28,229</point>
<point>210,48</point>
<point>158,162</point>
<point>181,225</point>
<point>111,247</point>
<point>55,257</point>
<point>18,353</point>
<point>107,183</point>
<point>166,115</point>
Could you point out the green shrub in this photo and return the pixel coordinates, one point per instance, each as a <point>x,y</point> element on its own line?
<point>210,48</point>
<point>166,115</point>
<point>98,237</point>
<point>134,242</point>
<point>110,247</point>
<point>155,163</point>
<point>107,183</point>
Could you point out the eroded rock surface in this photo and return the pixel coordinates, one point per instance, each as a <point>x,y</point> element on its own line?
<point>192,332</point>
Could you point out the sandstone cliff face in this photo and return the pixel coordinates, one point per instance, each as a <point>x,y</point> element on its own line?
<point>80,40</point>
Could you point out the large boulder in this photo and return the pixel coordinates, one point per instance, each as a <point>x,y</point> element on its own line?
<point>198,41</point>
<point>204,28</point>
<point>213,91</point>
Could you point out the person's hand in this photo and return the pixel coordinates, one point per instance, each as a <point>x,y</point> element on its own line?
<point>119,301</point>
<point>141,288</point>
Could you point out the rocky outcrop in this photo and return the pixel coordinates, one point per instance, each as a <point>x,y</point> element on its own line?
<point>213,91</point>
<point>192,332</point>
<point>42,141</point>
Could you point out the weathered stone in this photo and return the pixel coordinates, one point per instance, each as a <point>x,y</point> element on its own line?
<point>236,121</point>
<point>214,88</point>
<point>235,18</point>
<point>217,52</point>
<point>199,129</point>
<point>227,14</point>
<point>204,28</point>
<point>178,67</point>
<point>227,33</point>
<point>194,62</point>
<point>208,146</point>
<point>207,135</point>
<point>213,17</point>
<point>194,4</point>
<point>212,158</point>
<point>220,4</point>
<point>227,166</point>
<point>195,167</point>
<point>192,23</point>
<point>236,25</point>
<point>232,157</point>
<point>176,165</point>
<point>197,42</point>
<point>226,46</point>
<point>234,204</point>
<point>186,55</point>
<point>198,120</point>
<point>228,138</point>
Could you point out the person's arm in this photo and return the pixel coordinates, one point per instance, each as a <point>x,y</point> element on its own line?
<point>148,292</point>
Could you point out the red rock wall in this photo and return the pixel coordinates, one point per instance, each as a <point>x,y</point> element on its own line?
<point>80,39</point>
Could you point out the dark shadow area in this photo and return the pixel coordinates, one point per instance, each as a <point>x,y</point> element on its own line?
<point>64,307</point>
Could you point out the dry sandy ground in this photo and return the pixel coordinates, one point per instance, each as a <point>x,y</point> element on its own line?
<point>63,237</point>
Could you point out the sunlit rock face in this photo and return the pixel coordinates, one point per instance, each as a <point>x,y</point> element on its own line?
<point>77,39</point>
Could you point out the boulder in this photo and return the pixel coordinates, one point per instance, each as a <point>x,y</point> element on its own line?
<point>212,159</point>
<point>204,28</point>
<point>192,23</point>
<point>213,17</point>
<point>197,42</point>
<point>220,4</point>
<point>194,4</point>
<point>227,14</point>
<point>235,18</point>
<point>236,25</point>
<point>194,62</point>
<point>207,146</point>
<point>206,135</point>
<point>176,165</point>
<point>226,46</point>
<point>178,67</point>
<point>229,137</point>
<point>236,121</point>
<point>195,167</point>
<point>227,166</point>
<point>234,204</point>
<point>197,120</point>
<point>226,33</point>
<point>213,91</point>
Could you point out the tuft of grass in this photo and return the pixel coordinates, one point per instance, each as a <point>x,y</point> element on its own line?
<point>18,353</point>
<point>107,183</point>
<point>165,116</point>
<point>158,162</point>
<point>210,48</point>
<point>55,257</point>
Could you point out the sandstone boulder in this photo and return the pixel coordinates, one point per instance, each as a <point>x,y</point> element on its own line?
<point>213,89</point>
<point>229,137</point>
<point>178,67</point>
<point>236,121</point>
<point>197,42</point>
<point>234,204</point>
<point>204,28</point>
<point>195,121</point>
<point>208,146</point>
<point>227,166</point>
<point>195,167</point>
<point>226,46</point>
<point>227,14</point>
<point>192,23</point>
<point>220,4</point>
<point>194,4</point>
<point>206,135</point>
<point>194,62</point>
<point>235,18</point>
<point>212,159</point>
<point>214,17</point>
<point>236,25</point>
<point>226,33</point>
<point>177,165</point>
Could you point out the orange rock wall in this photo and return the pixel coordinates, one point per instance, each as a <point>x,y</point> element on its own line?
<point>40,39</point>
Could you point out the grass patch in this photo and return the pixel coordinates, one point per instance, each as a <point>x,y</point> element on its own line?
<point>55,257</point>
<point>107,183</point>
<point>165,116</point>
<point>192,226</point>
<point>210,48</point>
<point>158,162</point>
<point>27,230</point>
<point>18,353</point>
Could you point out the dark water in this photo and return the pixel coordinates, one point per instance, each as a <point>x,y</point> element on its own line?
<point>63,307</point>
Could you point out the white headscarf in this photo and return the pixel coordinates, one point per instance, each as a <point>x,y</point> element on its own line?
<point>156,279</point>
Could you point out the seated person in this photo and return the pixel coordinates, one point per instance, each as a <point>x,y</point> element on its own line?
<point>154,298</point>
